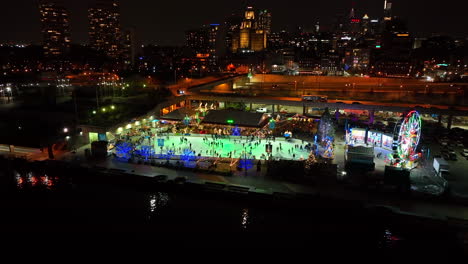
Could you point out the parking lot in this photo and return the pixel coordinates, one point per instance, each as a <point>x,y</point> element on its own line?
<point>450,145</point>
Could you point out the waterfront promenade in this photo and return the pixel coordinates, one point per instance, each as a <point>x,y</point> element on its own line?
<point>252,181</point>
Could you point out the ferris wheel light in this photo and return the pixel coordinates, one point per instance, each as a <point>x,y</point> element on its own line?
<point>408,136</point>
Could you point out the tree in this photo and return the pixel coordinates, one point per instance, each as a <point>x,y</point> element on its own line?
<point>310,161</point>
<point>326,127</point>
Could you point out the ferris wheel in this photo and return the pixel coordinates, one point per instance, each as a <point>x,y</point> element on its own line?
<point>406,138</point>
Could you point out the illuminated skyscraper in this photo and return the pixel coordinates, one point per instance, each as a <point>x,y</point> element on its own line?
<point>129,47</point>
<point>55,28</point>
<point>354,22</point>
<point>387,10</point>
<point>264,21</point>
<point>204,42</point>
<point>197,40</point>
<point>250,36</point>
<point>104,27</point>
<point>213,31</point>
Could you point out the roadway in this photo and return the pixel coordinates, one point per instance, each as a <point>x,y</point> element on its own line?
<point>334,104</point>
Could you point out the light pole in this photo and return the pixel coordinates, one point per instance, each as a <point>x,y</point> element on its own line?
<point>8,89</point>
<point>263,79</point>
<point>97,97</point>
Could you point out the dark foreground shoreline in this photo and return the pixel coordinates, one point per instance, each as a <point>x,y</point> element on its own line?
<point>79,203</point>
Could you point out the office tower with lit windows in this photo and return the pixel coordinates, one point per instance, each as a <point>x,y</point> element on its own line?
<point>104,28</point>
<point>129,47</point>
<point>213,31</point>
<point>264,21</point>
<point>55,28</point>
<point>354,22</point>
<point>198,40</point>
<point>204,42</point>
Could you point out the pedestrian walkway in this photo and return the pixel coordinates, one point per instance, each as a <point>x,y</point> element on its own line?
<point>410,206</point>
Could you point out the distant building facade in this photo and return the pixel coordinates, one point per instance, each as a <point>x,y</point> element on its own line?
<point>104,28</point>
<point>55,28</point>
<point>249,37</point>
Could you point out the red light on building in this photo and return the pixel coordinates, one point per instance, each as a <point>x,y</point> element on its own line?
<point>202,55</point>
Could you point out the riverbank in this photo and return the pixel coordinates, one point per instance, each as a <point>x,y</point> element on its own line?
<point>252,189</point>
<point>345,214</point>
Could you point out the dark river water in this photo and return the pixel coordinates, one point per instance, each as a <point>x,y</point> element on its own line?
<point>42,203</point>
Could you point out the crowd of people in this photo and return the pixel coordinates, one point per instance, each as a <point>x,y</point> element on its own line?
<point>223,141</point>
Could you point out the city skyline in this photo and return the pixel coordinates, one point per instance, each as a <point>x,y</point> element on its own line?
<point>155,23</point>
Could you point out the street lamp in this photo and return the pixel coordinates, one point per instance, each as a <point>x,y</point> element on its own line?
<point>8,89</point>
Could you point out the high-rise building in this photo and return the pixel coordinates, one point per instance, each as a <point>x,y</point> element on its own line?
<point>387,10</point>
<point>104,27</point>
<point>55,28</point>
<point>354,22</point>
<point>229,29</point>
<point>203,42</point>
<point>197,40</point>
<point>129,47</point>
<point>365,22</point>
<point>264,21</point>
<point>249,37</point>
<point>213,31</point>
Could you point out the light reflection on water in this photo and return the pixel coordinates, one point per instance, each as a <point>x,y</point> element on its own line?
<point>32,179</point>
<point>158,201</point>
<point>245,219</point>
<point>388,239</point>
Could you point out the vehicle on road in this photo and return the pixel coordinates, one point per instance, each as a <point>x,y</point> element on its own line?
<point>261,110</point>
<point>315,98</point>
<point>440,166</point>
<point>445,175</point>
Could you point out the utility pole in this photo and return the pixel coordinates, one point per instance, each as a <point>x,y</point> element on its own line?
<point>76,106</point>
<point>97,98</point>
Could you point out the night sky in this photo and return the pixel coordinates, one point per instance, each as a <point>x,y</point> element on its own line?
<point>164,22</point>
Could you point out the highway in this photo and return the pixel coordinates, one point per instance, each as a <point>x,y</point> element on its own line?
<point>333,104</point>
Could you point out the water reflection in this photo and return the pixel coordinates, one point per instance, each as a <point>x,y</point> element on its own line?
<point>245,218</point>
<point>158,201</point>
<point>388,239</point>
<point>33,179</point>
